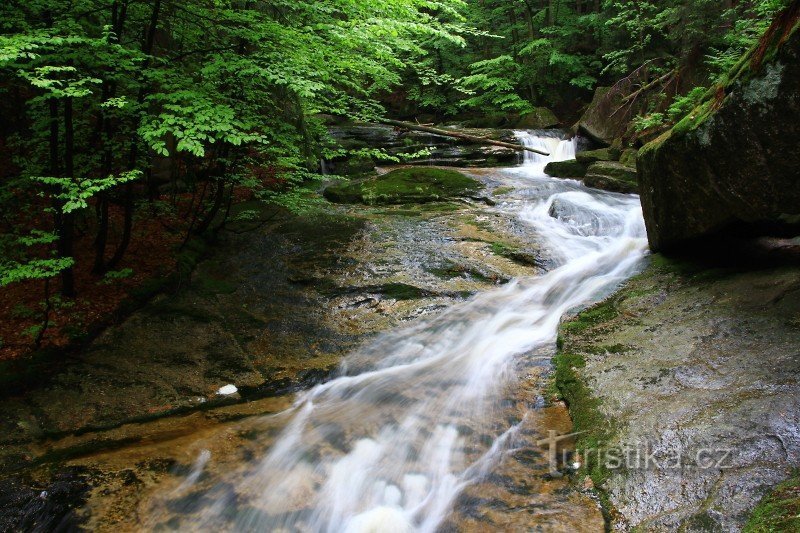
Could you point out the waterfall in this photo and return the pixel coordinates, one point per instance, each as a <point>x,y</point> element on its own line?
<point>390,444</point>
<point>550,141</point>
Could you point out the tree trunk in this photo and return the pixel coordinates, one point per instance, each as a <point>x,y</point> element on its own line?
<point>459,135</point>
<point>127,228</point>
<point>66,235</point>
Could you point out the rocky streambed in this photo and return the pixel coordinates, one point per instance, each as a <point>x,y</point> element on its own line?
<point>271,312</point>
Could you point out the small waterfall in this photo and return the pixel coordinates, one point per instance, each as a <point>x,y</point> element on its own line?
<point>550,141</point>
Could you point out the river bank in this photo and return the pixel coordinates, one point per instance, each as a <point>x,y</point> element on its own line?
<point>689,374</point>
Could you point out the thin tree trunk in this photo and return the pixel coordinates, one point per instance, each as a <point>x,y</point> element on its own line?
<point>65,240</point>
<point>48,308</point>
<point>127,228</point>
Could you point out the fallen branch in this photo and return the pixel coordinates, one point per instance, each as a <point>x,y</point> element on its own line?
<point>649,86</point>
<point>459,135</point>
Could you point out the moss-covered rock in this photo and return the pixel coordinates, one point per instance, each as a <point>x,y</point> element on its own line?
<point>681,362</point>
<point>777,511</point>
<point>628,157</point>
<point>592,156</point>
<point>611,176</point>
<point>733,161</point>
<point>538,119</point>
<point>405,186</point>
<point>566,169</point>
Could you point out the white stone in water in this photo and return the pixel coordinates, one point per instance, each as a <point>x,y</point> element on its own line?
<point>227,390</point>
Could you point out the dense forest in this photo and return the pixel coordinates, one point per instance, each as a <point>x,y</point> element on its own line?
<point>131,126</point>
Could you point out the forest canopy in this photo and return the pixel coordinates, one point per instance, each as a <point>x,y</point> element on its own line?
<point>153,119</point>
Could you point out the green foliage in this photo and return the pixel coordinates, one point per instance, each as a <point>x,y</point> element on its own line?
<point>646,122</point>
<point>492,84</point>
<point>75,193</point>
<point>12,271</point>
<point>113,276</point>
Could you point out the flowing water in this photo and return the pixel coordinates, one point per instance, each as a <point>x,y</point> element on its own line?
<point>416,415</point>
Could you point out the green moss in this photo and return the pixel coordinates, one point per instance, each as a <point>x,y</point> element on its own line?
<point>402,291</point>
<point>513,253</point>
<point>404,186</point>
<point>210,286</point>
<point>593,316</point>
<point>779,510</point>
<point>593,156</point>
<point>566,169</point>
<point>500,191</point>
<point>596,431</point>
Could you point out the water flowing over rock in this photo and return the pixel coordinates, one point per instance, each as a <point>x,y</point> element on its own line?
<point>414,420</point>
<point>733,162</point>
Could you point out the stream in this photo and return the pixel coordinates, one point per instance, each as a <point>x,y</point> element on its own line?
<point>419,413</point>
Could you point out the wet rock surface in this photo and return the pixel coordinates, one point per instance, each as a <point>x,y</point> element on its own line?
<point>611,176</point>
<point>699,372</point>
<point>272,313</point>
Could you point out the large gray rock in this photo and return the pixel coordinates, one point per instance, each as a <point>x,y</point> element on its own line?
<point>733,162</point>
<point>603,121</point>
<point>701,376</point>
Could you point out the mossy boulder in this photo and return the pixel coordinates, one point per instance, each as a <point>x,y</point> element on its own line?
<point>538,119</point>
<point>732,164</point>
<point>629,157</point>
<point>570,168</point>
<point>611,176</point>
<point>592,156</point>
<point>405,186</point>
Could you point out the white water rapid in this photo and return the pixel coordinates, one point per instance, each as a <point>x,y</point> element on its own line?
<point>391,444</point>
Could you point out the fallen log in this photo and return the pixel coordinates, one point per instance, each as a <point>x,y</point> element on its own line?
<point>459,135</point>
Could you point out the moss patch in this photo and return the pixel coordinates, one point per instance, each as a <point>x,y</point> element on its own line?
<point>593,316</point>
<point>596,431</point>
<point>779,510</point>
<point>513,253</point>
<point>404,186</point>
<point>500,191</point>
